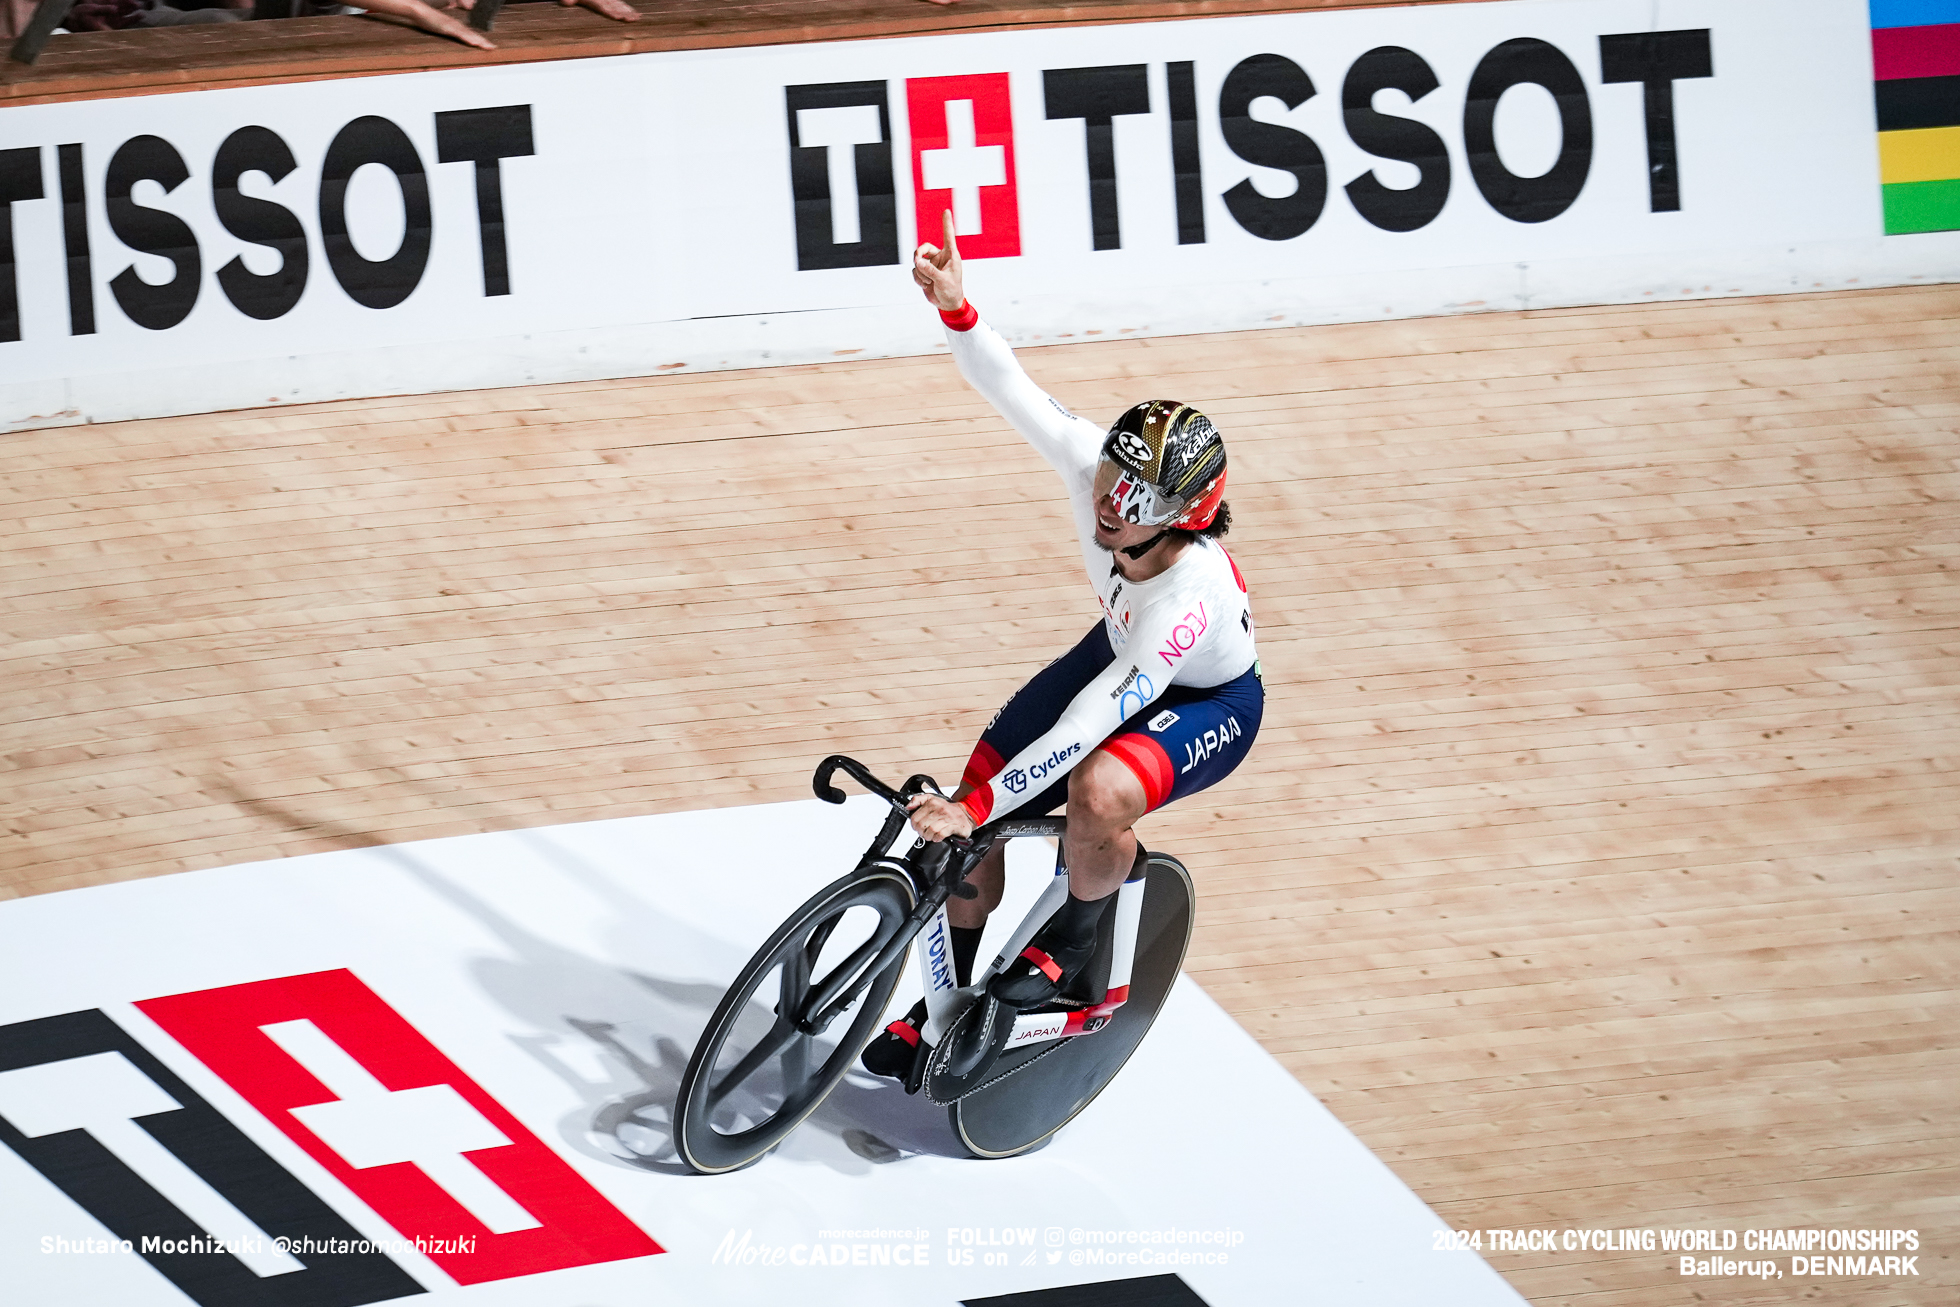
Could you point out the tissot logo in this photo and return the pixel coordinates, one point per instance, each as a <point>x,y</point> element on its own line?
<point>963,159</point>
<point>147,167</point>
<point>354,1085</point>
<point>840,173</point>
<point>963,144</point>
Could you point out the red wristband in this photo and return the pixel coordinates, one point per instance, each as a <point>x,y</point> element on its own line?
<point>981,801</point>
<point>962,318</point>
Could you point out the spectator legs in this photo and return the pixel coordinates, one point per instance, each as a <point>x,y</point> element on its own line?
<point>47,16</point>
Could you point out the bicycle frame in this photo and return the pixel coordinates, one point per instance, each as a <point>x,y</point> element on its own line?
<point>938,872</point>
<point>946,1001</point>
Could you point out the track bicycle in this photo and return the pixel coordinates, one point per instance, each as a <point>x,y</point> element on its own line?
<point>805,1005</point>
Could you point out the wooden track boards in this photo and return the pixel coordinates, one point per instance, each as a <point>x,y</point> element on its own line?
<point>1593,864</point>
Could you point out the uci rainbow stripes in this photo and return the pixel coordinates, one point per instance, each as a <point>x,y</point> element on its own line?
<point>1916,83</point>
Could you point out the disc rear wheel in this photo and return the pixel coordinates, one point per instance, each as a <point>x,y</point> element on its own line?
<point>1033,1092</point>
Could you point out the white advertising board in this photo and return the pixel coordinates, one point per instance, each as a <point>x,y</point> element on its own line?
<point>722,208</point>
<point>482,1038</point>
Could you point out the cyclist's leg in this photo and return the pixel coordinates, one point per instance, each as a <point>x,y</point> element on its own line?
<point>990,878</point>
<point>1186,741</point>
<point>1105,800</point>
<point>890,1054</point>
<point>1189,740</point>
<point>1027,714</point>
<point>1138,770</point>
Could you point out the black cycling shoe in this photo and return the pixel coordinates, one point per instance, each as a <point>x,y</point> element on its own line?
<point>890,1054</point>
<point>1046,965</point>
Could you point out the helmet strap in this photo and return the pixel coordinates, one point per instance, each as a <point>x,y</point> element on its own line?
<point>1138,551</point>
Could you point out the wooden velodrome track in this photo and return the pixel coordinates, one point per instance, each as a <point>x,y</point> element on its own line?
<point>1594,862</point>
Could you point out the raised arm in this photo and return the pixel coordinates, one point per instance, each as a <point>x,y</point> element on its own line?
<point>1069,443</point>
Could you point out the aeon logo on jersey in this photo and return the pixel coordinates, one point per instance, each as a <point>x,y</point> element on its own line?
<point>1185,634</point>
<point>350,1082</point>
<point>962,158</point>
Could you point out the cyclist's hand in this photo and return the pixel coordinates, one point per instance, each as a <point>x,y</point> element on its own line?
<point>936,818</point>
<point>938,272</point>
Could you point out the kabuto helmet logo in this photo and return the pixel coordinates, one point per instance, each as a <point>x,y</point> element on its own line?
<point>1130,445</point>
<point>1175,459</point>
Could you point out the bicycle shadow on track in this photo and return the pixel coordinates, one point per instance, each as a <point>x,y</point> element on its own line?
<point>620,1037</point>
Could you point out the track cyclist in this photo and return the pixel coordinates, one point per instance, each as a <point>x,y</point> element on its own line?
<point>1160,699</point>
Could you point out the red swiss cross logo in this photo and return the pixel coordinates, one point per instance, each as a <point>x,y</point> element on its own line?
<point>350,1081</point>
<point>963,159</point>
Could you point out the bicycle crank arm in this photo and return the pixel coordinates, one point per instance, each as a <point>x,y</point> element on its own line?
<point>916,1075</point>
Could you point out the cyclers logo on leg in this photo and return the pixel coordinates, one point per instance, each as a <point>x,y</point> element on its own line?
<point>328,1062</point>
<point>1017,780</point>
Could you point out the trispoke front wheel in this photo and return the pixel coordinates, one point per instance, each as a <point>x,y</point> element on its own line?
<point>756,1074</point>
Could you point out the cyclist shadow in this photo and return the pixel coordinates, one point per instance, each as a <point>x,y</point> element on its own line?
<point>630,1034</point>
<point>864,1122</point>
<point>886,1124</point>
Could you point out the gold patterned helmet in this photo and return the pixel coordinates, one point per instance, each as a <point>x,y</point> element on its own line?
<point>1163,465</point>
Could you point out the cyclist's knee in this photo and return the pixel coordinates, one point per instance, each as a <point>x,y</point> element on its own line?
<point>1106,792</point>
<point>990,878</point>
<point>993,867</point>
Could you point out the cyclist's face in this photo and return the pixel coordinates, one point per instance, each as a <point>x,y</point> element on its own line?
<point>1128,511</point>
<point>1130,498</point>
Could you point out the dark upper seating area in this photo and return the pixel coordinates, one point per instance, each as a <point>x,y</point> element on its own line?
<point>180,56</point>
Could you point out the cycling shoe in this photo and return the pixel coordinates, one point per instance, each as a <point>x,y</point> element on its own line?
<point>890,1053</point>
<point>1046,965</point>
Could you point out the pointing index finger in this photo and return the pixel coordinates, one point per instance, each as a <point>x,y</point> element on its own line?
<point>952,237</point>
